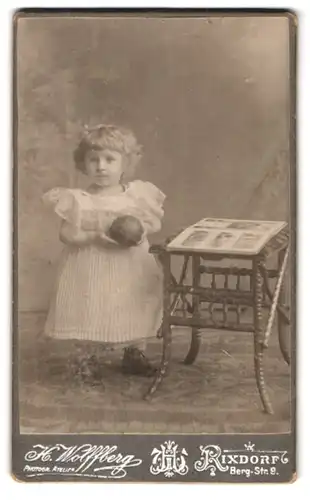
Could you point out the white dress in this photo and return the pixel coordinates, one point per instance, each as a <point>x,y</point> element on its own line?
<point>107,294</point>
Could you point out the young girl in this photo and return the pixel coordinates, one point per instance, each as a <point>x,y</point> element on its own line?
<point>105,291</point>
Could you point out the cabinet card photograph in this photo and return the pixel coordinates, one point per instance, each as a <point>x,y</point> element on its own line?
<point>154,246</point>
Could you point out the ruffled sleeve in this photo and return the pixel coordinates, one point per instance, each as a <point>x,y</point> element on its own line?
<point>65,204</point>
<point>149,202</point>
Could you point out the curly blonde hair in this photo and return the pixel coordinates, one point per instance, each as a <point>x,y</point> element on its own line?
<point>111,137</point>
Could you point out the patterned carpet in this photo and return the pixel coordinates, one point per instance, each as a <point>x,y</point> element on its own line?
<point>217,394</point>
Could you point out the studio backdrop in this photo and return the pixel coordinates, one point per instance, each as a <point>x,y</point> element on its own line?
<point>210,107</point>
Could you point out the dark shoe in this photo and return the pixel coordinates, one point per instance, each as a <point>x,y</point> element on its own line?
<point>136,363</point>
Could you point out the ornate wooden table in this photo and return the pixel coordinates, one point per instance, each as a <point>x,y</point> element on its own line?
<point>219,297</point>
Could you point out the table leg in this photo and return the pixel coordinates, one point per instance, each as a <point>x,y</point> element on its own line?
<point>166,329</point>
<point>258,337</point>
<point>196,337</point>
<point>283,328</point>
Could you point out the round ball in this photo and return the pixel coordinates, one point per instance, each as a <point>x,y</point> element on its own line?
<point>126,230</point>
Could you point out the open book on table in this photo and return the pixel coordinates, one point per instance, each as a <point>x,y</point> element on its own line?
<point>226,236</point>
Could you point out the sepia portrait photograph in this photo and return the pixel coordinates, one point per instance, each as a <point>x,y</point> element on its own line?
<point>129,130</point>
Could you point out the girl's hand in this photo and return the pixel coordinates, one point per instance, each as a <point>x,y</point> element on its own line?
<point>143,238</point>
<point>103,240</point>
<point>70,235</point>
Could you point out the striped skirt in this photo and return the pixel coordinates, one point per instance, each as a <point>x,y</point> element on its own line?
<point>106,295</point>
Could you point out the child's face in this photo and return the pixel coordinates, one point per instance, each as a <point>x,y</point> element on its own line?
<point>104,167</point>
